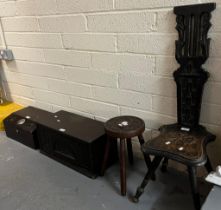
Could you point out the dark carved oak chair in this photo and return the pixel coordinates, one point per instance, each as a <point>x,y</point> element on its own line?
<point>186,140</point>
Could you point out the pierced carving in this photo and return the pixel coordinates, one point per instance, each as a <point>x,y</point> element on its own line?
<point>192,50</point>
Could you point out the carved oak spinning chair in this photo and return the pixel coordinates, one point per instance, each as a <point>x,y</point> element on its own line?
<point>186,140</point>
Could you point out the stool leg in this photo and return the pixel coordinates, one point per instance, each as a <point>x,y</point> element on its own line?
<point>106,153</point>
<point>130,151</point>
<point>122,167</point>
<point>193,183</point>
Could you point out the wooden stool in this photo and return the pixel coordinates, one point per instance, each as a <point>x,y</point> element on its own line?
<point>124,128</point>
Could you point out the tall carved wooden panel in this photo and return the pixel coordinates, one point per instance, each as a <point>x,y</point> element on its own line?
<point>192,50</point>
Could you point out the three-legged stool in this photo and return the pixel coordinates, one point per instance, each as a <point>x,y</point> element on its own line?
<point>124,128</point>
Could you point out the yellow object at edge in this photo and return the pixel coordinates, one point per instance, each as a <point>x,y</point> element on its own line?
<point>5,110</point>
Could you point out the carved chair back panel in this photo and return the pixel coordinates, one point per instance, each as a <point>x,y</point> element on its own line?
<point>192,50</point>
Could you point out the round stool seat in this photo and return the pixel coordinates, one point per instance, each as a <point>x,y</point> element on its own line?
<point>124,127</point>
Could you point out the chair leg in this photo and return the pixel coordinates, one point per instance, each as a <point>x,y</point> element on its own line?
<point>130,151</point>
<point>208,165</point>
<point>122,167</point>
<point>154,165</point>
<point>146,157</point>
<point>164,165</point>
<point>106,154</point>
<point>193,182</point>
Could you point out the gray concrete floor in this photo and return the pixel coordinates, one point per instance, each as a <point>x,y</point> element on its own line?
<point>32,181</point>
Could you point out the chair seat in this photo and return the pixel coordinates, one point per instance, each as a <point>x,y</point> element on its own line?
<point>182,146</point>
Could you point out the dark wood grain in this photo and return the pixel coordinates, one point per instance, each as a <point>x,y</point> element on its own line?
<point>122,167</point>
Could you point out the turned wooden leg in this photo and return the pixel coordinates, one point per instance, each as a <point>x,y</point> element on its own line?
<point>193,183</point>
<point>130,151</point>
<point>208,165</point>
<point>146,157</point>
<point>122,167</point>
<point>106,154</point>
<point>154,165</point>
<point>164,165</point>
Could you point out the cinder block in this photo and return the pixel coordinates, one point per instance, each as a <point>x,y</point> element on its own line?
<point>216,18</point>
<point>123,97</point>
<point>212,65</point>
<point>152,120</point>
<point>135,82</point>
<point>42,105</point>
<point>102,119</point>
<point>19,90</point>
<point>51,97</point>
<point>92,77</point>
<point>166,21</point>
<point>123,62</point>
<point>122,22</point>
<point>94,107</point>
<point>94,42</point>
<point>164,105</point>
<point>57,108</point>
<point>70,88</point>
<point>157,44</point>
<point>38,69</point>
<point>24,79</point>
<point>28,54</point>
<point>80,90</point>
<point>20,100</point>
<point>208,1</point>
<point>22,24</point>
<point>63,24</point>
<point>166,65</point>
<point>68,57</point>
<point>148,84</point>
<point>7,8</point>
<point>212,93</point>
<point>215,49</point>
<point>36,7</point>
<point>141,4</point>
<point>34,40</point>
<point>211,114</point>
<point>70,6</point>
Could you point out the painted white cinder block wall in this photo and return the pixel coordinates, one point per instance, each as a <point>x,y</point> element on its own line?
<point>103,58</point>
